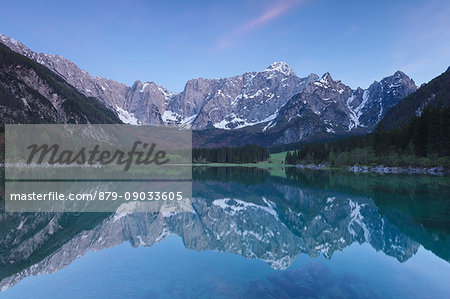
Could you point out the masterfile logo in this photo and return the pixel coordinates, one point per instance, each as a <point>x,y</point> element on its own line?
<point>95,155</point>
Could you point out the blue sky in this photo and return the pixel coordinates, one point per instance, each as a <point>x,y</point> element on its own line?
<point>170,42</point>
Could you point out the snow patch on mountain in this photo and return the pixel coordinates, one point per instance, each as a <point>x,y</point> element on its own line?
<point>357,218</point>
<point>189,119</point>
<point>126,117</point>
<point>232,121</point>
<point>356,113</point>
<point>170,116</point>
<point>144,86</point>
<point>233,206</point>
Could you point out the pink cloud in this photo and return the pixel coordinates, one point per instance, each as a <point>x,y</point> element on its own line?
<point>276,10</point>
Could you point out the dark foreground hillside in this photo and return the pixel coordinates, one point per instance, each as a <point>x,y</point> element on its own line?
<point>31,93</point>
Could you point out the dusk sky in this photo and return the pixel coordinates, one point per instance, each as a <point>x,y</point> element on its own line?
<point>170,42</point>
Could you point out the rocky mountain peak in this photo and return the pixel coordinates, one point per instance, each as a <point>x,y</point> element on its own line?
<point>142,86</point>
<point>326,79</point>
<point>400,74</point>
<point>399,80</point>
<point>313,77</point>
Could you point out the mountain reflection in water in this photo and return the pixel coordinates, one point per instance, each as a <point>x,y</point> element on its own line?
<point>250,213</point>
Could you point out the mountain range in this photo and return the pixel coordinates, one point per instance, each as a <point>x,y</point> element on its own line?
<point>272,106</point>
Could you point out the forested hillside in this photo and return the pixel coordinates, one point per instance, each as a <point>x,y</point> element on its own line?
<point>240,154</point>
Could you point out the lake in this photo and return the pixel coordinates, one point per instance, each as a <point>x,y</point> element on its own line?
<point>300,233</point>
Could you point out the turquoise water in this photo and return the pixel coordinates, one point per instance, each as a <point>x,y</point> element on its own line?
<point>310,234</point>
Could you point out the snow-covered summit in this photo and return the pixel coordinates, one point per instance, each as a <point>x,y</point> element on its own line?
<point>281,67</point>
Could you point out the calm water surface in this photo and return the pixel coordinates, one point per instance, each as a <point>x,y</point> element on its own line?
<point>309,234</point>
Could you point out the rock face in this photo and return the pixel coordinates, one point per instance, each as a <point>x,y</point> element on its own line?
<point>241,101</point>
<point>274,99</point>
<point>327,107</point>
<point>381,96</point>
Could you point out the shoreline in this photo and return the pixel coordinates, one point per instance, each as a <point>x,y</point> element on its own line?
<point>379,169</point>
